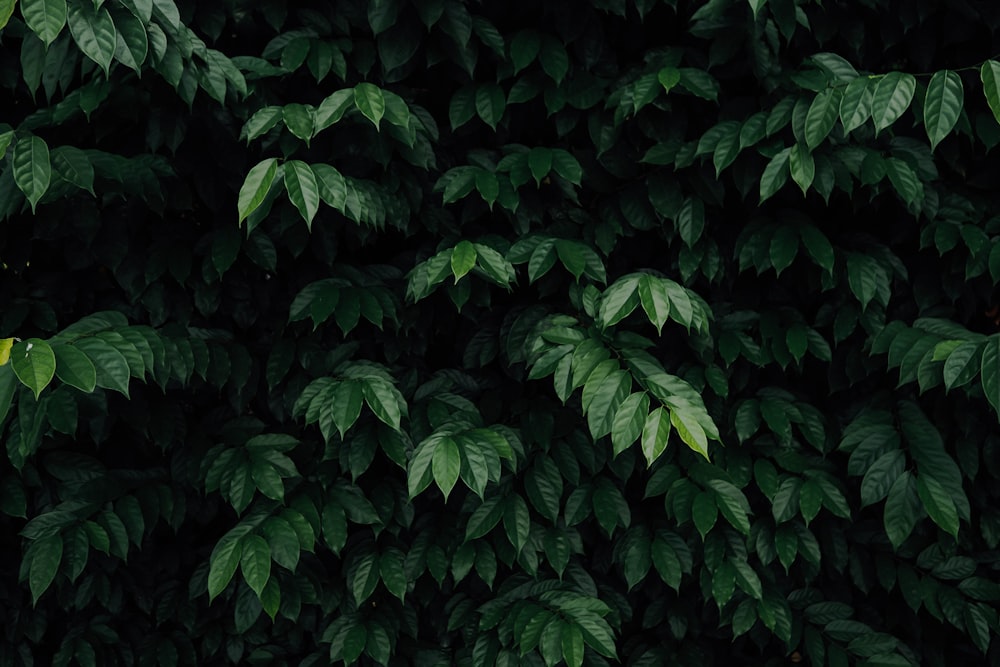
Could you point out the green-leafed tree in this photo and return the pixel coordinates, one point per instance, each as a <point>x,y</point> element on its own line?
<point>435,332</point>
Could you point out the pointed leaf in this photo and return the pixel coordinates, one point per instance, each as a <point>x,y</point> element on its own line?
<point>891,98</point>
<point>34,363</point>
<point>942,105</point>
<point>302,188</point>
<point>255,187</point>
<point>31,168</point>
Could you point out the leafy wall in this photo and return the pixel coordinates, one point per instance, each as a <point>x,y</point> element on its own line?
<point>435,332</point>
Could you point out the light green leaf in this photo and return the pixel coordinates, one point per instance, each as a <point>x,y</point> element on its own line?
<point>618,301</point>
<point>298,119</point>
<point>655,433</point>
<point>370,102</point>
<point>255,187</point>
<point>601,410</point>
<point>31,168</point>
<point>690,430</point>
<point>463,258</point>
<point>6,11</point>
<point>942,105</point>
<point>891,98</point>
<point>34,363</point>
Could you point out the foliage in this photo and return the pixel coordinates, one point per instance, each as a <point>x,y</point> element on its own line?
<point>434,332</point>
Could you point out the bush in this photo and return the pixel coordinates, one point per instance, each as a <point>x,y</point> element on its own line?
<point>434,332</point>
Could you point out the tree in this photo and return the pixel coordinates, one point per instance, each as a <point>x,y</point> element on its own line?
<point>438,332</point>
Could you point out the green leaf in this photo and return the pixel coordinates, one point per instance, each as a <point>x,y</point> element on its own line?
<point>902,509</point>
<point>989,74</point>
<point>655,300</point>
<point>223,562</point>
<point>446,465</point>
<point>668,78</point>
<point>364,576</point>
<point>938,504</point>
<point>384,400</point>
<point>802,167</point>
<point>75,368</point>
<point>856,104</point>
<point>45,18</point>
<point>255,562</point>
<point>655,433</point>
<point>690,430</point>
<point>46,555</point>
<point>821,117</point>
<point>6,11</point>
<point>942,105</point>
<point>302,188</point>
<point>490,103</point>
<point>34,363</point>
<point>283,541</point>
<point>691,220</point>
<point>963,363</point>
<point>255,187</point>
<point>463,258</point>
<point>618,301</point>
<point>31,168</point>
<point>704,512</point>
<point>298,119</point>
<point>732,503</point>
<point>567,166</point>
<point>629,421</point>
<point>818,246</point>
<point>572,645</point>
<point>891,98</point>
<point>862,276</point>
<point>602,407</point>
<point>775,174</point>
<point>369,100</point>
<point>94,32</point>
<point>990,368</point>
<point>112,369</point>
<point>540,163</point>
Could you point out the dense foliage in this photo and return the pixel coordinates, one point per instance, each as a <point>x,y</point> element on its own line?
<point>431,332</point>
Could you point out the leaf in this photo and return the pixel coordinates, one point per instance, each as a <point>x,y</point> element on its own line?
<point>618,301</point>
<point>938,504</point>
<point>862,276</point>
<point>567,166</point>
<point>446,465</point>
<point>856,104</point>
<point>902,509</point>
<point>655,433</point>
<point>963,363</point>
<point>255,562</point>
<point>34,363</point>
<point>223,562</point>
<point>775,174</point>
<point>668,78</point>
<point>255,187</point>
<point>655,300</point>
<point>690,431</point>
<point>629,421</point>
<point>45,18</point>
<point>31,168</point>
<point>821,117</point>
<point>942,105</point>
<point>384,400</point>
<point>463,258</point>
<point>540,163</point>
<point>601,410</point>
<point>891,98</point>
<point>94,32</point>
<point>802,167</point>
<point>370,102</point>
<point>112,369</point>
<point>490,103</point>
<point>302,188</point>
<point>691,220</point>
<point>989,74</point>
<point>75,368</point>
<point>990,368</point>
<point>732,503</point>
<point>298,119</point>
<point>818,246</point>
<point>46,555</point>
<point>572,645</point>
